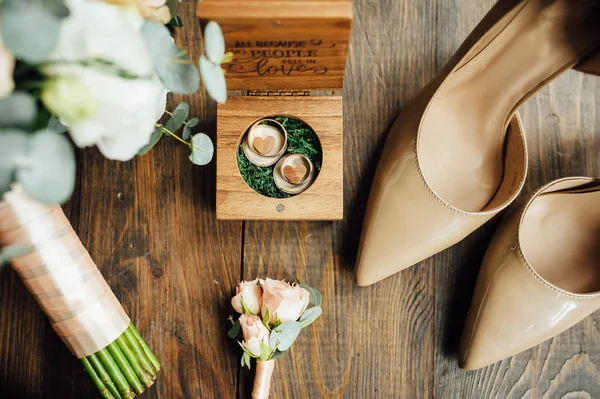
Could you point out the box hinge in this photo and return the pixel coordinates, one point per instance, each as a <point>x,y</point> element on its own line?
<point>284,93</point>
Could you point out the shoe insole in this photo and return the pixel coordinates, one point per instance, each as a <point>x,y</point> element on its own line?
<point>462,134</point>
<point>560,238</point>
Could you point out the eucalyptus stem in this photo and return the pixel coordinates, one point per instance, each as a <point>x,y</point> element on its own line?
<point>135,363</point>
<point>104,392</point>
<point>147,350</point>
<point>125,367</point>
<point>140,353</point>
<point>115,373</point>
<point>101,371</point>
<point>173,135</point>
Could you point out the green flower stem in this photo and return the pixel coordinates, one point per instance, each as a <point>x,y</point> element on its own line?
<point>173,135</point>
<point>147,350</point>
<point>134,362</point>
<point>101,371</point>
<point>104,392</point>
<point>115,373</point>
<point>140,353</point>
<point>125,367</point>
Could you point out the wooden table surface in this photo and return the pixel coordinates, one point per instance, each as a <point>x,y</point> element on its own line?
<point>150,225</point>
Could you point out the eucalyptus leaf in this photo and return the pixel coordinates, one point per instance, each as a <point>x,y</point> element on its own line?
<point>284,335</point>
<point>310,315</point>
<point>55,125</point>
<point>12,252</point>
<point>187,132</point>
<point>315,296</point>
<point>29,30</point>
<point>185,107</point>
<point>176,121</point>
<point>154,139</point>
<point>214,43</point>
<point>235,330</point>
<point>175,68</point>
<point>213,79</point>
<point>202,150</point>
<point>193,122</point>
<point>13,145</point>
<point>277,354</point>
<point>57,7</point>
<point>48,172</point>
<point>17,110</point>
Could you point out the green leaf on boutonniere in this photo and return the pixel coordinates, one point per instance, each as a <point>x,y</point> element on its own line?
<point>267,316</point>
<point>265,351</point>
<point>154,139</point>
<point>12,252</point>
<point>277,320</point>
<point>246,351</point>
<point>246,308</point>
<point>175,68</point>
<point>283,336</point>
<point>309,316</point>
<point>235,330</point>
<point>315,296</point>
<point>246,360</point>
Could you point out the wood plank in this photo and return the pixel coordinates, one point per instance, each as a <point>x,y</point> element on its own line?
<point>371,342</point>
<point>562,128</point>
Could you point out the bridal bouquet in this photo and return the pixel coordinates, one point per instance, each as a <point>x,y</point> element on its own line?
<point>272,315</point>
<point>99,70</point>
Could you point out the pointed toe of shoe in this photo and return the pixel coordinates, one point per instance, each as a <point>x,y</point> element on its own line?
<point>405,222</point>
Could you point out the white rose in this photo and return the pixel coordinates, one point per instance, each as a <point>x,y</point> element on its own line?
<point>7,67</point>
<point>126,110</point>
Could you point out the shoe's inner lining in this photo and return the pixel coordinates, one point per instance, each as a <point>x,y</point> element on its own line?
<point>560,238</point>
<point>462,134</point>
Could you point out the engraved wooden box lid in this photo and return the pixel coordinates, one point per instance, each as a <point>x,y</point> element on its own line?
<point>283,45</point>
<point>282,50</point>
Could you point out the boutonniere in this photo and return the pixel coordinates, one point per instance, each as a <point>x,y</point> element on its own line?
<point>272,315</point>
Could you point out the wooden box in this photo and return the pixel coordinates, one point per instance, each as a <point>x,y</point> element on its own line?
<point>282,50</point>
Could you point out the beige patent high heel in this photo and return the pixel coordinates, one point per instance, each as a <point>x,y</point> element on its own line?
<point>454,158</point>
<point>540,275</point>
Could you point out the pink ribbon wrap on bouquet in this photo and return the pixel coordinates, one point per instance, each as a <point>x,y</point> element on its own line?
<point>60,274</point>
<point>262,379</point>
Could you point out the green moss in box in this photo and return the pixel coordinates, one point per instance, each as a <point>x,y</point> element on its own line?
<point>301,140</point>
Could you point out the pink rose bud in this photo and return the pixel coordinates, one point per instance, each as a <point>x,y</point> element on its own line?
<point>284,301</point>
<point>254,332</point>
<point>250,293</point>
